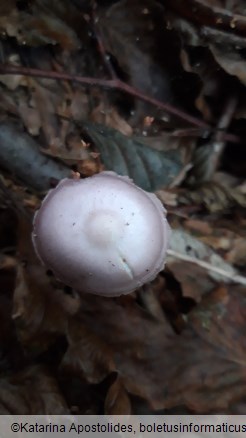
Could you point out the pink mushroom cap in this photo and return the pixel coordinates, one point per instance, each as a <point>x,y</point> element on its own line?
<point>102,234</point>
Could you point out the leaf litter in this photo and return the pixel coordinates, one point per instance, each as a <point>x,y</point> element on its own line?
<point>156,91</point>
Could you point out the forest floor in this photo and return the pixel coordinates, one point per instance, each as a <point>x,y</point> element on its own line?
<point>154,90</point>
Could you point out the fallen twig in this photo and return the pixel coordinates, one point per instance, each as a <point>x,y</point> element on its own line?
<point>105,83</point>
<point>116,84</point>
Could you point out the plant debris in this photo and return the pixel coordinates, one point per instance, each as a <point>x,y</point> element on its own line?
<point>154,90</point>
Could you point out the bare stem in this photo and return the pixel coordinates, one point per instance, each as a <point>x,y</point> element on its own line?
<point>104,83</point>
<point>117,84</point>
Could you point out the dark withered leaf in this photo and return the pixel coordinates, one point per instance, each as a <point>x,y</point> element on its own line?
<point>88,356</point>
<point>133,32</point>
<point>207,13</point>
<point>230,60</point>
<point>40,306</point>
<point>37,309</point>
<point>117,400</point>
<point>136,343</point>
<point>210,353</point>
<point>139,37</point>
<point>10,350</point>
<point>216,33</point>
<point>45,29</point>
<point>6,7</point>
<point>69,13</point>
<point>215,197</point>
<point>219,325</point>
<point>88,341</point>
<point>149,168</point>
<point>38,29</point>
<point>194,280</point>
<point>149,356</point>
<point>33,391</point>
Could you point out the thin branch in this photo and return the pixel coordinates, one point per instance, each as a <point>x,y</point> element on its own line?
<point>233,277</point>
<point>104,83</point>
<point>117,84</point>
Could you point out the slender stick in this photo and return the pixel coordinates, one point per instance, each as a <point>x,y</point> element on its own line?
<point>104,83</point>
<point>121,86</point>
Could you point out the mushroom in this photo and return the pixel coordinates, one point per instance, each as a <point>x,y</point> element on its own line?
<point>101,234</point>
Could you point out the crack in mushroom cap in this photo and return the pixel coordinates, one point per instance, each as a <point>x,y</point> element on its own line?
<point>102,234</point>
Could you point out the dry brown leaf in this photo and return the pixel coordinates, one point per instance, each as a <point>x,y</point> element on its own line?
<point>110,117</point>
<point>79,105</point>
<point>133,339</point>
<point>6,6</point>
<point>37,30</point>
<point>167,197</point>
<point>194,280</point>
<point>210,352</point>
<point>199,226</point>
<point>230,60</point>
<point>88,356</point>
<point>30,117</point>
<point>12,82</point>
<point>46,100</point>
<point>133,36</point>
<point>113,348</point>
<point>237,252</point>
<point>40,306</point>
<point>215,197</point>
<point>33,391</point>
<point>37,312</point>
<point>117,400</point>
<point>11,354</point>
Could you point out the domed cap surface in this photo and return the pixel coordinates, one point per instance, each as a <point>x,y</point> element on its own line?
<point>102,234</point>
